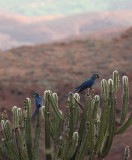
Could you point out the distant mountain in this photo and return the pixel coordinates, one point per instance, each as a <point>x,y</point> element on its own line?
<point>16,30</point>
<point>63,7</point>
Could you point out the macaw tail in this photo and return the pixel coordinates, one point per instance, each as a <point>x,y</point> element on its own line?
<point>34,114</point>
<point>72,92</point>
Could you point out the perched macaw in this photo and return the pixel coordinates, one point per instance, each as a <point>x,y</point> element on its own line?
<point>87,84</point>
<point>38,101</point>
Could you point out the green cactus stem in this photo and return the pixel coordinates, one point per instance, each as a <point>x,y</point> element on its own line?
<point>19,114</point>
<point>71,124</point>
<point>111,126</point>
<point>37,137</point>
<point>96,106</point>
<point>127,153</point>
<point>28,128</point>
<point>125,99</point>
<point>55,120</point>
<point>115,81</point>
<point>76,110</point>
<point>73,147</point>
<point>47,127</point>
<point>78,135</point>
<point>103,116</point>
<point>15,117</point>
<point>55,107</point>
<point>125,126</point>
<point>7,129</point>
<point>19,140</point>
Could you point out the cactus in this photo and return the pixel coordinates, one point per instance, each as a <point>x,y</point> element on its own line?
<point>37,137</point>
<point>47,127</point>
<point>28,127</point>
<point>80,132</point>
<point>127,153</point>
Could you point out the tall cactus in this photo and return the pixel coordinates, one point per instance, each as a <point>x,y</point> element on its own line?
<point>127,153</point>
<point>75,134</point>
<point>47,127</point>
<point>28,127</point>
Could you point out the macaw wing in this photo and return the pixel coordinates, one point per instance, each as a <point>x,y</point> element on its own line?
<point>38,102</point>
<point>82,89</point>
<point>84,84</point>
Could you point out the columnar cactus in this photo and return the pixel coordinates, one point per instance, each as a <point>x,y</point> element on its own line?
<point>127,153</point>
<point>79,132</point>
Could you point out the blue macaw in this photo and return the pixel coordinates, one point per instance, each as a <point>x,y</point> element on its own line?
<point>87,84</point>
<point>38,101</point>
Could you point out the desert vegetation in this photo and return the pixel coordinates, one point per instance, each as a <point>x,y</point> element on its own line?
<point>81,131</point>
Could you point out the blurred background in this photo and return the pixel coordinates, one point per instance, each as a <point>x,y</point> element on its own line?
<point>56,45</point>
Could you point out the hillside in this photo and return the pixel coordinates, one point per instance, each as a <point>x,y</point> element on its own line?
<point>63,66</point>
<point>16,30</point>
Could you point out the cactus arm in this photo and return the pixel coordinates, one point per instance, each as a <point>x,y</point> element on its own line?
<point>7,130</point>
<point>111,128</point>
<point>71,125</point>
<point>63,150</point>
<point>23,153</point>
<point>55,107</point>
<point>47,127</point>
<point>73,147</point>
<point>125,126</point>
<point>109,134</point>
<point>82,124</point>
<point>12,151</point>
<point>127,153</point>
<point>37,137</point>
<point>83,147</point>
<point>15,117</point>
<point>103,116</point>
<point>9,143</point>
<point>19,114</point>
<point>86,139</point>
<point>104,140</point>
<point>125,99</point>
<point>96,106</point>
<point>65,147</point>
<point>115,81</point>
<point>52,133</point>
<point>90,127</point>
<point>1,151</point>
<point>76,109</point>
<point>28,128</point>
<point>55,121</point>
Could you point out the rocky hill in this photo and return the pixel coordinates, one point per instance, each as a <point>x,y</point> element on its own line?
<point>17,30</point>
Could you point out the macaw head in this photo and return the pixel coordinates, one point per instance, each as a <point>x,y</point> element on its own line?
<point>35,94</point>
<point>95,75</point>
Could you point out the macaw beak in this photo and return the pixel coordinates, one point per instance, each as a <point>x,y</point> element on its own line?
<point>97,76</point>
<point>33,96</point>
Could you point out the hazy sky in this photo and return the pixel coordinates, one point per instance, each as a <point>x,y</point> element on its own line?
<point>59,7</point>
